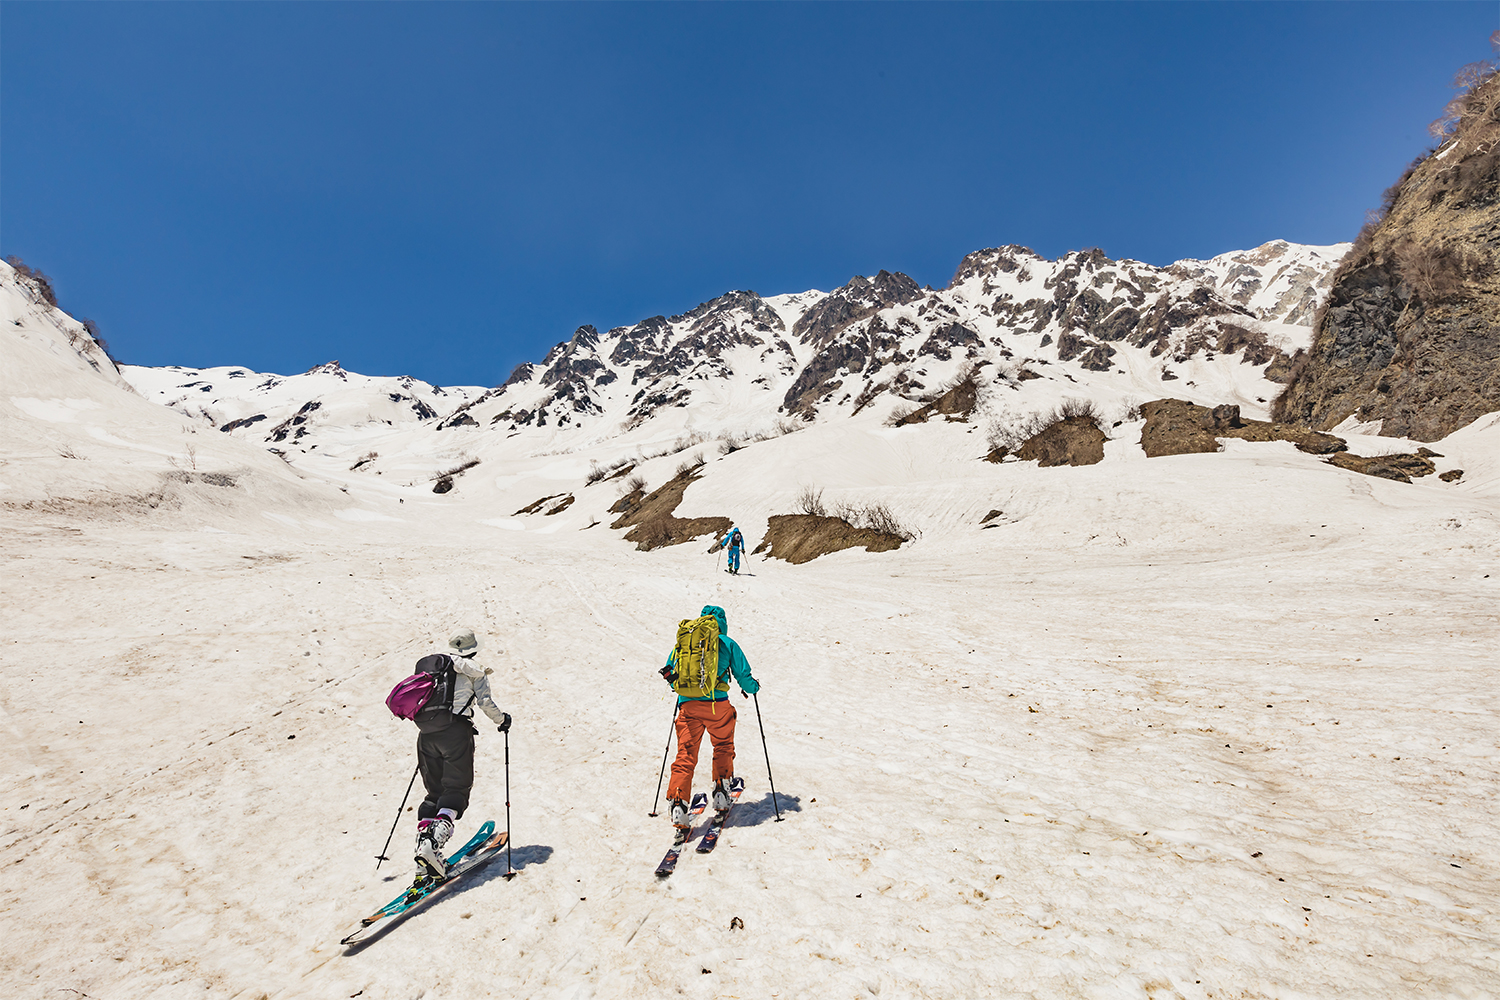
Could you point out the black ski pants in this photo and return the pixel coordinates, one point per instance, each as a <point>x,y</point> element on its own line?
<point>446,760</point>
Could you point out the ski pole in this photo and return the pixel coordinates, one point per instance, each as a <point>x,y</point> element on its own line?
<point>664,752</point>
<point>775,804</point>
<point>510,871</point>
<point>381,856</point>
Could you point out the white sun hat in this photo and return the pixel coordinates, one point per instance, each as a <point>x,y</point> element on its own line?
<point>463,642</point>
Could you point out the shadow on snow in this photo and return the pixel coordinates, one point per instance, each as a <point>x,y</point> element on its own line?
<point>762,810</point>
<point>521,858</point>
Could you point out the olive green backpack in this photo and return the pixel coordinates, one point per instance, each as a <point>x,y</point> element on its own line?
<point>696,657</point>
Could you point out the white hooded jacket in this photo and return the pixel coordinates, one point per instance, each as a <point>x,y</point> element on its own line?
<point>471,688</point>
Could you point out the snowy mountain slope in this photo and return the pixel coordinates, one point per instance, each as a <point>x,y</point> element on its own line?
<point>1280,282</point>
<point>1033,332</point>
<point>76,439</point>
<point>283,410</point>
<point>1088,325</point>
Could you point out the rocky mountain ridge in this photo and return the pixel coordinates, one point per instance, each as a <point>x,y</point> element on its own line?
<point>1082,318</point>
<point>1411,333</point>
<point>1018,330</point>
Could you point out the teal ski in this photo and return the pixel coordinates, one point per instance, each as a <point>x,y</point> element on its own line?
<point>480,850</point>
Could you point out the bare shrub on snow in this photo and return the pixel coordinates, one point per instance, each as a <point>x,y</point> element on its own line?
<point>460,467</point>
<point>635,482</point>
<point>39,284</point>
<point>1010,430</point>
<point>810,501</point>
<point>598,472</point>
<point>691,465</point>
<point>875,517</point>
<point>898,413</point>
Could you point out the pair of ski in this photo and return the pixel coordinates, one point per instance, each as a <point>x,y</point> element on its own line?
<point>710,838</point>
<point>478,852</point>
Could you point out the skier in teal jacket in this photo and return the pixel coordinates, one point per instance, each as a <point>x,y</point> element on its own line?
<point>716,716</point>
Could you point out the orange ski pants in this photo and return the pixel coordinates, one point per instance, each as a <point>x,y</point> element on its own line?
<point>693,719</point>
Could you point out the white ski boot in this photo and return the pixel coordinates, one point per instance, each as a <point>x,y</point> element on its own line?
<point>679,813</point>
<point>722,801</point>
<point>432,834</point>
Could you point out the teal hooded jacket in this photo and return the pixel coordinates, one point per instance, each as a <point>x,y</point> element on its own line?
<point>730,654</point>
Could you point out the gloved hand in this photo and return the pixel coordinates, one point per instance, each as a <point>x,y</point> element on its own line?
<point>504,727</point>
<point>751,688</point>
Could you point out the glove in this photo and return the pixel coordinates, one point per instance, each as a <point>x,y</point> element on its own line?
<point>750,688</point>
<point>504,727</point>
<point>668,673</point>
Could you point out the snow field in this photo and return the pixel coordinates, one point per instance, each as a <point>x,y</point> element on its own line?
<point>1147,611</point>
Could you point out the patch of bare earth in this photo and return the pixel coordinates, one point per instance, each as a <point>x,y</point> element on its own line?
<point>651,520</point>
<point>1070,441</point>
<point>800,538</point>
<point>1403,467</point>
<point>1177,427</point>
<point>536,505</point>
<point>957,404</point>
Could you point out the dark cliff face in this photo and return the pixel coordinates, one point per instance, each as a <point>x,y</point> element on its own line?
<point>1410,334</point>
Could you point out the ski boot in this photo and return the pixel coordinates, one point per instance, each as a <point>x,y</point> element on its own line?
<point>682,820</point>
<point>722,800</point>
<point>432,834</point>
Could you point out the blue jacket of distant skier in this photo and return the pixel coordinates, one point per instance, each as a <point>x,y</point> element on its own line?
<point>730,656</point>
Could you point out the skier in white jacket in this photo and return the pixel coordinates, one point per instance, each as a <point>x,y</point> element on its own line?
<point>445,754</point>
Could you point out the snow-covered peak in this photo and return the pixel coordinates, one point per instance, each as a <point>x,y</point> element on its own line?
<point>282,410</point>
<point>1279,281</point>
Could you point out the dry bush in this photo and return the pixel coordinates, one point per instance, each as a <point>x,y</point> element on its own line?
<point>873,516</point>
<point>688,441</point>
<point>598,472</point>
<point>39,282</point>
<point>732,443</point>
<point>1071,408</point>
<point>66,451</point>
<point>786,425</point>
<point>683,443</point>
<point>364,459</point>
<point>1436,271</point>
<point>1469,103</point>
<point>461,467</point>
<point>898,413</point>
<point>810,501</point>
<point>1011,430</point>
<point>691,465</point>
<point>635,482</point>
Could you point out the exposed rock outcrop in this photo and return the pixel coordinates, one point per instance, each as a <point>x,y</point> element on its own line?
<point>652,522</point>
<point>1069,441</point>
<point>1177,427</point>
<point>1410,334</point>
<point>800,538</point>
<point>1402,467</point>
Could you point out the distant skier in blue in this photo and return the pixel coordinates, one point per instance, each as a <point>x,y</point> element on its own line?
<point>734,541</point>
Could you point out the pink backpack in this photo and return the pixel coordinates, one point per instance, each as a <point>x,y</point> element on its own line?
<point>434,674</point>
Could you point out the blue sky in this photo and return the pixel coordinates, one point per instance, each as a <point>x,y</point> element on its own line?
<point>445,190</point>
